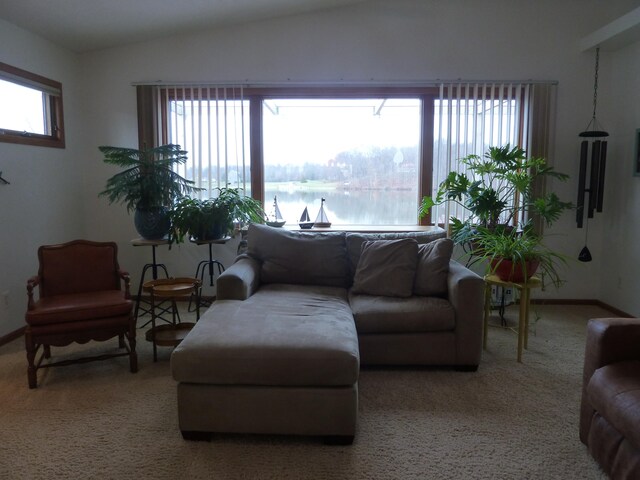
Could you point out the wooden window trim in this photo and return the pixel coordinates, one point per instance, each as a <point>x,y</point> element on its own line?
<point>56,117</point>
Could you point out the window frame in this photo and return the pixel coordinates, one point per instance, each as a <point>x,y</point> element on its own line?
<point>55,117</point>
<point>427,96</point>
<point>152,128</point>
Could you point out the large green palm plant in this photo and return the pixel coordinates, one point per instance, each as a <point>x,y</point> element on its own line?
<point>148,180</point>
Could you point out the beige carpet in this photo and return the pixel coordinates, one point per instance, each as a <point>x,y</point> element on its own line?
<point>506,421</point>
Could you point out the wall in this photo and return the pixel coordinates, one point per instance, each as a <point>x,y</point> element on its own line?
<point>379,41</point>
<point>41,205</point>
<point>54,193</point>
<point>620,247</point>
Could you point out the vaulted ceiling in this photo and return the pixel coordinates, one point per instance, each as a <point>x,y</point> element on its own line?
<point>86,25</point>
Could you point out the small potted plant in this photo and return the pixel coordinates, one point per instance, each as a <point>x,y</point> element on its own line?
<point>212,218</point>
<point>515,256</point>
<point>148,184</point>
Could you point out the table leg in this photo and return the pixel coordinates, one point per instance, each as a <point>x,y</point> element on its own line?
<point>522,321</point>
<point>526,294</point>
<point>487,308</point>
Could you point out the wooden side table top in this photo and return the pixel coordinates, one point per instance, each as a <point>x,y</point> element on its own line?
<point>143,242</point>
<point>533,282</point>
<point>218,241</point>
<point>171,287</point>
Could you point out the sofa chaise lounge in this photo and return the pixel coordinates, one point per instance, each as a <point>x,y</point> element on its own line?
<point>279,351</point>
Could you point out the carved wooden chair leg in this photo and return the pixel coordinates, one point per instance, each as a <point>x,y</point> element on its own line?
<point>31,357</point>
<point>133,356</point>
<point>121,340</point>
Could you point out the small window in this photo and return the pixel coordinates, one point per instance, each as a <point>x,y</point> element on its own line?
<point>30,108</point>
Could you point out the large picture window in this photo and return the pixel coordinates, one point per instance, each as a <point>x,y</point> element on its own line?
<point>30,108</point>
<point>371,153</point>
<point>360,154</point>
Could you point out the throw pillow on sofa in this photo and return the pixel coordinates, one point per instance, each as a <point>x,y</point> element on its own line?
<point>386,267</point>
<point>303,258</point>
<point>433,268</point>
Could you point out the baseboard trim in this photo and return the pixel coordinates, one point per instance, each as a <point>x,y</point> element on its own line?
<point>577,301</point>
<point>11,336</point>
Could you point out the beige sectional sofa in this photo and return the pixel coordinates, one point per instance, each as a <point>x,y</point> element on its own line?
<point>298,313</point>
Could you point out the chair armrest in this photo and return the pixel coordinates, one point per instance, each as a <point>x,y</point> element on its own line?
<point>127,283</point>
<point>240,280</point>
<point>609,340</point>
<point>466,295</point>
<point>32,283</point>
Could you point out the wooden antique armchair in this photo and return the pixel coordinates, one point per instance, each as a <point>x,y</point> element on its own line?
<point>80,299</point>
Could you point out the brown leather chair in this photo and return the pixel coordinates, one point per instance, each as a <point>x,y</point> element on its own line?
<point>610,409</point>
<point>80,299</point>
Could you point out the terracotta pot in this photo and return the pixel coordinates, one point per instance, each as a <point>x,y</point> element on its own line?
<point>507,271</point>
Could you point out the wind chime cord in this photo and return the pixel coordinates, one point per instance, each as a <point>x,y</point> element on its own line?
<point>595,83</point>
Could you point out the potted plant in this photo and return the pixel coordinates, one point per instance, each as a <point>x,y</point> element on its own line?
<point>148,184</point>
<point>515,256</point>
<point>212,218</point>
<point>495,189</point>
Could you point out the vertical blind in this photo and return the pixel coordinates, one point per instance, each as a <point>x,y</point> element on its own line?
<point>212,124</point>
<point>471,117</point>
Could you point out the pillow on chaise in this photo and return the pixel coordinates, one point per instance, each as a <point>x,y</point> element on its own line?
<point>386,267</point>
<point>433,268</point>
<point>299,257</point>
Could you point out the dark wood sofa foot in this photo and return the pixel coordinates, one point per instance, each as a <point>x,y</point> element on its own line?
<point>338,439</point>
<point>196,436</point>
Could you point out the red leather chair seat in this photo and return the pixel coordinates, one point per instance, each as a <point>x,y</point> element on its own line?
<point>79,307</point>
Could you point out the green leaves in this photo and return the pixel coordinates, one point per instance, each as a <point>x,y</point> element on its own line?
<point>498,186</point>
<point>148,179</point>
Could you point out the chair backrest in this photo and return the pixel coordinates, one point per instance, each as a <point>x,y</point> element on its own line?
<point>78,266</point>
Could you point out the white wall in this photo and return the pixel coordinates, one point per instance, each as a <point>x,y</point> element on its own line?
<point>403,40</point>
<point>42,203</point>
<point>621,245</point>
<point>379,41</point>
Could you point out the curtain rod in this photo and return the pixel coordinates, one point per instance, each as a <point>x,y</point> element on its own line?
<point>342,83</point>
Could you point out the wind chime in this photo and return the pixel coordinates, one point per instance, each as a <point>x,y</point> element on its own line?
<point>597,136</point>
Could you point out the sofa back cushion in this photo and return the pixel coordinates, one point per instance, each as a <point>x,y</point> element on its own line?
<point>386,267</point>
<point>355,241</point>
<point>299,258</point>
<point>433,268</point>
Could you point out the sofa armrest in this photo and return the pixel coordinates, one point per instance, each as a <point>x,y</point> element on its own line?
<point>466,295</point>
<point>609,340</point>
<point>240,280</point>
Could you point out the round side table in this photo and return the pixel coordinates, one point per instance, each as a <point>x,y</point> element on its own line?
<point>171,334</point>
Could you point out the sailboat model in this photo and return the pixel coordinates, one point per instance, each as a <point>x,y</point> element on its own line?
<point>305,221</point>
<point>322,221</point>
<point>274,219</point>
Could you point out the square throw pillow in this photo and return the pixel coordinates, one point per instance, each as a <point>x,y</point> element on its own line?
<point>433,268</point>
<point>299,258</point>
<point>386,267</point>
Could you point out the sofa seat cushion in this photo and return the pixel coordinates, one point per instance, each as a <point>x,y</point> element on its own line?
<point>614,392</point>
<point>378,314</point>
<point>79,306</point>
<point>283,335</point>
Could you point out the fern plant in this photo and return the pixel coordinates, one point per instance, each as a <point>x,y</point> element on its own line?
<point>148,180</point>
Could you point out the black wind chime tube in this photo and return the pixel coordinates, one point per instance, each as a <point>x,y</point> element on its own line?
<point>584,149</point>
